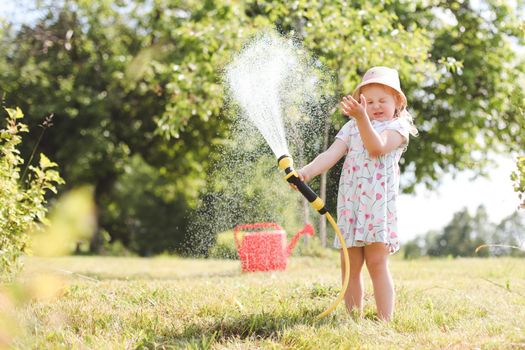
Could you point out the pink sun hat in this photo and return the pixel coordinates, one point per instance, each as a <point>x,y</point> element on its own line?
<point>381,75</point>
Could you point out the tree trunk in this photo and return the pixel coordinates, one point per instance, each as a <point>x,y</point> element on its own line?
<point>95,244</point>
<point>322,220</point>
<point>102,188</point>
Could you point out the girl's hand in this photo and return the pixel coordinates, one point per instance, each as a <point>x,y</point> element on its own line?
<point>303,176</point>
<point>352,108</point>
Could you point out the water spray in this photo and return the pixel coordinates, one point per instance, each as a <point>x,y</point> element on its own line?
<point>258,78</point>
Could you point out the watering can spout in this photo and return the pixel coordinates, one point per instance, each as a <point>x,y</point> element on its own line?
<point>307,229</point>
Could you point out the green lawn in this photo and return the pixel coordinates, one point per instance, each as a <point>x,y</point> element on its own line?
<point>174,303</point>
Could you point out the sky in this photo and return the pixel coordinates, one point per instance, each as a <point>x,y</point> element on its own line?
<point>432,210</point>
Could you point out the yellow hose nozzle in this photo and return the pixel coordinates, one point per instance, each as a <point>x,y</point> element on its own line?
<point>285,163</point>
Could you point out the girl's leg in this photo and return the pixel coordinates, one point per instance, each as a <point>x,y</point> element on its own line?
<point>376,257</point>
<point>354,293</point>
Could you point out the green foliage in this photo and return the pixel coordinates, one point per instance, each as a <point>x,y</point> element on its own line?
<point>348,39</point>
<point>143,79</point>
<point>518,177</point>
<point>460,237</point>
<point>474,105</point>
<point>126,79</point>
<point>22,200</point>
<point>145,213</point>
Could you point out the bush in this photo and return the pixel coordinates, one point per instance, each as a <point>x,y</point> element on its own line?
<point>22,201</point>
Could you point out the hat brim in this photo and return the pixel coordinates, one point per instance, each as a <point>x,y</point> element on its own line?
<point>356,94</point>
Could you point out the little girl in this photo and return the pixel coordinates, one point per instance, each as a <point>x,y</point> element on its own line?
<point>373,141</point>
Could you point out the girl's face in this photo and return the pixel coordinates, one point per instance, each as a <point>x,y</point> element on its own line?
<point>381,101</point>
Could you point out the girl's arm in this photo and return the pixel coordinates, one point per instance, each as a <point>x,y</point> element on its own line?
<point>378,144</point>
<point>324,161</point>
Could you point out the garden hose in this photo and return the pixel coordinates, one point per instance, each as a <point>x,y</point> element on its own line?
<point>286,163</point>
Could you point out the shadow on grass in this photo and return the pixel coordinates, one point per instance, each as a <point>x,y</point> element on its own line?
<point>261,325</point>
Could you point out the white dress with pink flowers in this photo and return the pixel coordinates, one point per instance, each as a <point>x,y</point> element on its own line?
<point>368,189</point>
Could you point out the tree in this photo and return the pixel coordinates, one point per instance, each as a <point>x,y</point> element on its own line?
<point>132,85</point>
<point>462,235</point>
<point>465,233</point>
<point>136,86</point>
<point>458,237</point>
<point>475,105</point>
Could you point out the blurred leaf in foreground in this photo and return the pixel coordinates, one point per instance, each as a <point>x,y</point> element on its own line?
<point>71,219</point>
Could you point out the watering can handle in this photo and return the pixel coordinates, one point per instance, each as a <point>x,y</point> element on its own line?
<point>257,225</point>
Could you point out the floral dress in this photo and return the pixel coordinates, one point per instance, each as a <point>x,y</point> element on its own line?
<point>368,189</point>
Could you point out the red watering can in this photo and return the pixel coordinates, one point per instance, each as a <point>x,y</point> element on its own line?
<point>265,250</point>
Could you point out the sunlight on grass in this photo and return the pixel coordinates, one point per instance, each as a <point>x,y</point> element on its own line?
<point>209,304</point>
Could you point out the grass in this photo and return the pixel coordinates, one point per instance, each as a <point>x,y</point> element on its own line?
<point>175,303</point>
